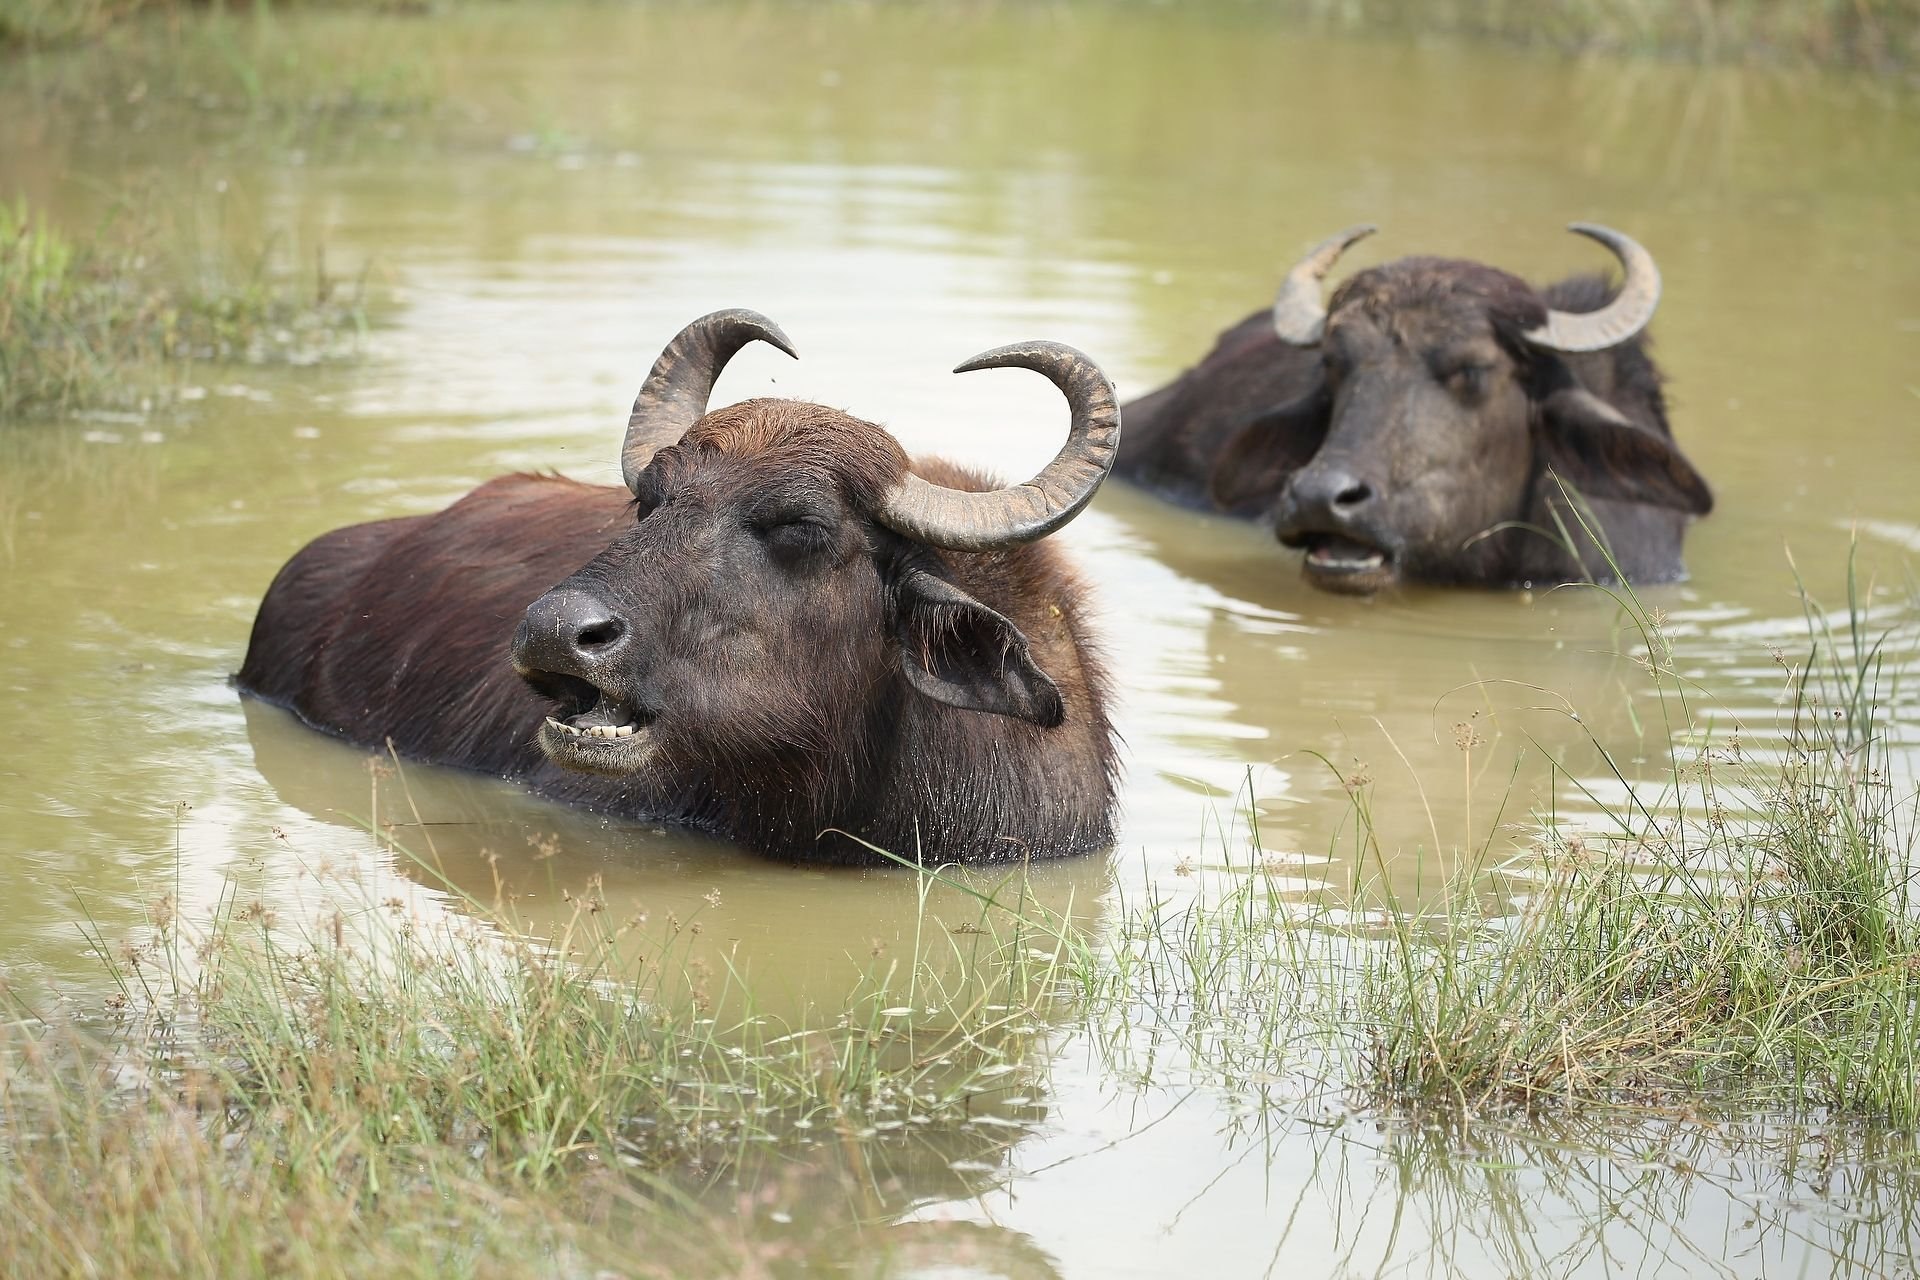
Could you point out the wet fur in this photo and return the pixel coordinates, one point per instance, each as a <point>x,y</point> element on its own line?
<point>1178,435</point>
<point>399,631</point>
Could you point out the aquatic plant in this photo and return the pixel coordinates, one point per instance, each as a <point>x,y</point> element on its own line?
<point>1875,34</point>
<point>1751,931</point>
<point>379,1095</point>
<point>1880,35</point>
<point>392,1093</point>
<point>39,24</point>
<point>109,322</point>
<point>1745,932</point>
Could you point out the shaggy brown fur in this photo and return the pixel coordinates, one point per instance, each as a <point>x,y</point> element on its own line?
<point>786,713</point>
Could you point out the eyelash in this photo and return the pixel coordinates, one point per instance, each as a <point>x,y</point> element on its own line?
<point>1472,379</point>
<point>796,535</point>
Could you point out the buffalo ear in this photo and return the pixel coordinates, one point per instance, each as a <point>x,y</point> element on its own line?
<point>1253,467</point>
<point>1605,454</point>
<point>955,650</point>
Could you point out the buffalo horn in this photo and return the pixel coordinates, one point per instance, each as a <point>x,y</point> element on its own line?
<point>963,521</point>
<point>1620,319</point>
<point>676,390</point>
<point>1299,316</point>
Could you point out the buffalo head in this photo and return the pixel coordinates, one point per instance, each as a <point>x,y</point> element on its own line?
<point>780,589</point>
<point>1447,398</point>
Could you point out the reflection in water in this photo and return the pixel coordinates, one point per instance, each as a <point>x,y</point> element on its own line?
<point>801,939</point>
<point>1118,178</point>
<point>790,951</point>
<point>1327,1194</point>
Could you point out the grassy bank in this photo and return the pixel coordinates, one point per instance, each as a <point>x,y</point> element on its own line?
<point>1876,35</point>
<point>384,1093</point>
<point>39,24</point>
<point>1745,933</point>
<point>113,321</point>
<point>380,1095</point>
<point>319,74</point>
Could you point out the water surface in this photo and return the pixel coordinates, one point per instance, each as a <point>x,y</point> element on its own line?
<point>901,188</point>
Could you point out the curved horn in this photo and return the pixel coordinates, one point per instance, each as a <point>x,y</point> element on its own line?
<point>1299,316</point>
<point>962,521</point>
<point>675,393</point>
<point>1620,319</point>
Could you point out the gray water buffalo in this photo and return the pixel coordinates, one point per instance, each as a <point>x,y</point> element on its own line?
<point>1429,423</point>
<point>781,632</point>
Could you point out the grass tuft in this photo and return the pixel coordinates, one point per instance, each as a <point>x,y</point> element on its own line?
<point>109,324</point>
<point>377,1095</point>
<point>1751,933</point>
<point>1877,35</point>
<point>387,1093</point>
<point>1745,932</point>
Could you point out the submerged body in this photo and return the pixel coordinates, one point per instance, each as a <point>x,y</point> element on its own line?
<point>742,643</point>
<point>1423,428</point>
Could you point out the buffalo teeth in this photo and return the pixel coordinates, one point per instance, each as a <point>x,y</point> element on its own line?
<point>595,731</point>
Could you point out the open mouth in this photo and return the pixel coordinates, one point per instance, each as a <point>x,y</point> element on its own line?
<point>590,728</point>
<point>1345,564</point>
<point>1329,553</point>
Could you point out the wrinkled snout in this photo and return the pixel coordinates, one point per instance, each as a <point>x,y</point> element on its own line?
<point>568,632</point>
<point>1324,499</point>
<point>570,649</point>
<point>1328,509</point>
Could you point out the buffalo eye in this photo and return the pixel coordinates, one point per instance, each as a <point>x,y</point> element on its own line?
<point>791,540</point>
<point>1469,383</point>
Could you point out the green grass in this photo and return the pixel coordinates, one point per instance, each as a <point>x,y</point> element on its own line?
<point>40,24</point>
<point>36,23</point>
<point>111,322</point>
<point>323,76</point>
<point>1744,933</point>
<point>1879,35</point>
<point>382,1096</point>
<point>1749,933</point>
<point>379,1094</point>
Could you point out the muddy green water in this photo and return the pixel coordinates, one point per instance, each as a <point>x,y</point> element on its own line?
<point>901,189</point>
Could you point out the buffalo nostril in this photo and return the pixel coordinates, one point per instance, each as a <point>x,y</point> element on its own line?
<point>565,628</point>
<point>1352,496</point>
<point>599,634</point>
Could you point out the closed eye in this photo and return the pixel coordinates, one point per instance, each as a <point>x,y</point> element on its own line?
<point>1469,381</point>
<point>792,539</point>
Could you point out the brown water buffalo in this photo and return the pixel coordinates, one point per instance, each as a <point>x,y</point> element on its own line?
<point>1429,423</point>
<point>781,632</point>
